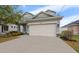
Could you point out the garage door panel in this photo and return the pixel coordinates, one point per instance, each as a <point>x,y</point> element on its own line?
<point>43,30</point>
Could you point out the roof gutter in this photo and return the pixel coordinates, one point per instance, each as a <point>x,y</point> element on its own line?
<point>43,19</point>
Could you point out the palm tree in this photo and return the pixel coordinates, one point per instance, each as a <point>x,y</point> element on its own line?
<point>10,14</point>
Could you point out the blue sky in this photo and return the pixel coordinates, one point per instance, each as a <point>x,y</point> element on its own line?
<point>70,12</point>
<point>29,8</point>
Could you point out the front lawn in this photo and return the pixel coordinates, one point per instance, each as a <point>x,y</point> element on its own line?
<point>9,36</point>
<point>4,39</point>
<point>76,37</point>
<point>74,44</point>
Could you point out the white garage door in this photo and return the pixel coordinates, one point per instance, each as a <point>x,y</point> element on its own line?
<point>43,30</point>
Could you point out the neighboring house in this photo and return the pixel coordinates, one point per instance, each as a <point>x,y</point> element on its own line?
<point>43,24</point>
<point>73,27</point>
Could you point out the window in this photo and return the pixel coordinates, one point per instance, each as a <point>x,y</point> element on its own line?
<point>4,28</point>
<point>14,26</point>
<point>57,25</point>
<point>11,26</point>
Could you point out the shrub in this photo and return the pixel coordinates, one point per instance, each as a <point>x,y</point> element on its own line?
<point>14,33</point>
<point>11,33</point>
<point>66,35</point>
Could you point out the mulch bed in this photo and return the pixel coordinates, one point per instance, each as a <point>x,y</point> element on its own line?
<point>4,39</point>
<point>73,43</point>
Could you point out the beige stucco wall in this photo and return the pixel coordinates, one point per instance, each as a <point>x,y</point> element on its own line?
<point>42,15</point>
<point>21,28</point>
<point>75,30</point>
<point>44,22</point>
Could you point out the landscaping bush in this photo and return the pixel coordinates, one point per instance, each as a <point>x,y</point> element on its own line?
<point>11,33</point>
<point>66,35</point>
<point>14,33</point>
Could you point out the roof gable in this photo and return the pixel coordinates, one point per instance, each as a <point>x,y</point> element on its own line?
<point>42,15</point>
<point>50,11</point>
<point>28,15</point>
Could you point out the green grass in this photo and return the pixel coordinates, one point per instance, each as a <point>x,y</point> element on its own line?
<point>4,39</point>
<point>74,44</point>
<point>76,37</point>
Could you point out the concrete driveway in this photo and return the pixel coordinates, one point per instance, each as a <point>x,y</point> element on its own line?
<point>35,44</point>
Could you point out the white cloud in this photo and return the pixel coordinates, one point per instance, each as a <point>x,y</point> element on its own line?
<point>69,19</point>
<point>24,6</point>
<point>56,8</point>
<point>60,8</point>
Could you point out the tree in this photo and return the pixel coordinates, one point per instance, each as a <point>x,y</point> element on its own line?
<point>10,14</point>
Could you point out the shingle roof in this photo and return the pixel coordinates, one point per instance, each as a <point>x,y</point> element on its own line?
<point>51,17</point>
<point>28,13</point>
<point>42,12</point>
<point>50,11</point>
<point>72,23</point>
